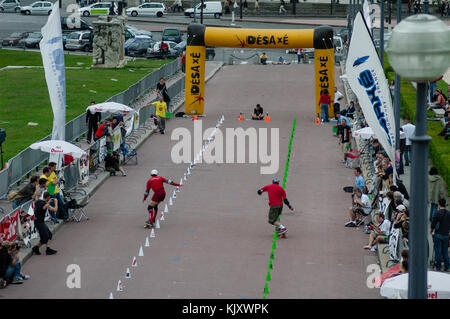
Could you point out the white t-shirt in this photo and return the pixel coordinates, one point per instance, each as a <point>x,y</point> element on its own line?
<point>337,96</point>
<point>385,227</point>
<point>366,204</point>
<point>409,130</point>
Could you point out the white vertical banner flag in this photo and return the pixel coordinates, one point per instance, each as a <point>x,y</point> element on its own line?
<point>366,78</point>
<point>366,10</point>
<point>52,52</point>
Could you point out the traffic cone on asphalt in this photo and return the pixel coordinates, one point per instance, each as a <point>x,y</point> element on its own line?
<point>157,224</point>
<point>119,286</point>
<point>166,209</point>
<point>141,252</point>
<point>268,278</point>
<point>267,118</point>
<point>241,117</point>
<point>162,217</point>
<point>170,201</point>
<point>127,273</point>
<point>152,234</point>
<point>147,242</point>
<point>266,289</point>
<point>134,262</point>
<point>111,295</point>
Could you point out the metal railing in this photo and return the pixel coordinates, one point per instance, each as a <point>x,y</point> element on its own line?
<point>26,161</point>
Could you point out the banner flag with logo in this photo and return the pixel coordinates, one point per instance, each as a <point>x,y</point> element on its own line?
<point>367,80</point>
<point>52,52</point>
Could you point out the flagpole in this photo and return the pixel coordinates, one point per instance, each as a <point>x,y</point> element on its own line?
<point>397,94</point>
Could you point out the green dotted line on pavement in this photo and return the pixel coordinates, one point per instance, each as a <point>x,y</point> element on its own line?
<point>275,236</point>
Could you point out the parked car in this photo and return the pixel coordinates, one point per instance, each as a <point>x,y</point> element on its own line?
<point>343,33</point>
<point>80,40</point>
<point>75,24</point>
<point>155,52</point>
<point>148,9</point>
<point>139,48</point>
<point>180,47</point>
<point>132,32</point>
<point>13,39</point>
<point>172,34</point>
<point>9,5</point>
<point>210,8</point>
<point>31,41</point>
<point>38,7</point>
<point>135,39</point>
<point>99,8</point>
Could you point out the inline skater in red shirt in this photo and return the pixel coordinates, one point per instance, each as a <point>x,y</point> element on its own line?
<point>277,196</point>
<point>156,184</point>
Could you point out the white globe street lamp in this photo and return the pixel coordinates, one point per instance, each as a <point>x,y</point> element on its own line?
<point>419,51</point>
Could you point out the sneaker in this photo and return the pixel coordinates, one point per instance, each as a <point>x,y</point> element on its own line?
<point>17,281</point>
<point>50,251</point>
<point>124,174</point>
<point>350,224</point>
<point>374,249</point>
<point>35,250</point>
<point>24,277</point>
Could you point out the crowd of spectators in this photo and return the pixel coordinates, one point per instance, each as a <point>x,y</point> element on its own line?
<point>380,202</point>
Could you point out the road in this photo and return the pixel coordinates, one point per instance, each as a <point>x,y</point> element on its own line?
<point>215,241</point>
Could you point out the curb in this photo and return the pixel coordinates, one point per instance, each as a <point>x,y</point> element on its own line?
<point>26,253</point>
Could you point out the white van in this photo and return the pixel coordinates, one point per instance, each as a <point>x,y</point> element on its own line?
<point>210,8</point>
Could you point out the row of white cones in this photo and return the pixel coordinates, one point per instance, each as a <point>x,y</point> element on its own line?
<point>166,209</point>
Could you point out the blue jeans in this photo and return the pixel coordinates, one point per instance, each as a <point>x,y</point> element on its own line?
<point>407,150</point>
<point>433,210</point>
<point>324,112</point>
<point>441,249</point>
<point>13,271</point>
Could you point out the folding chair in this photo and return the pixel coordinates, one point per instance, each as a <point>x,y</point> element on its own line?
<point>77,209</point>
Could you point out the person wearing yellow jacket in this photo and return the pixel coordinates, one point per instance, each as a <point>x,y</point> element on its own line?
<point>161,109</point>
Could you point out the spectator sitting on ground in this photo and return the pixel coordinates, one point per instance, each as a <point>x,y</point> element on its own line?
<point>380,233</point>
<point>26,193</point>
<point>400,199</point>
<point>108,132</point>
<point>361,207</point>
<point>10,258</point>
<point>258,113</point>
<point>263,58</point>
<point>281,60</point>
<point>112,164</point>
<point>399,186</point>
<point>441,226</point>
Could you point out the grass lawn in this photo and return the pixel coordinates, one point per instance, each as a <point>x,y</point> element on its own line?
<point>439,149</point>
<point>24,96</point>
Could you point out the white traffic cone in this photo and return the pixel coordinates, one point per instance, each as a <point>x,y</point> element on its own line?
<point>177,189</point>
<point>184,176</point>
<point>170,201</point>
<point>119,286</point>
<point>127,273</point>
<point>141,252</point>
<point>174,194</point>
<point>166,209</point>
<point>162,216</point>
<point>181,181</point>
<point>189,171</point>
<point>111,295</point>
<point>147,242</point>
<point>134,262</point>
<point>157,224</point>
<point>152,234</point>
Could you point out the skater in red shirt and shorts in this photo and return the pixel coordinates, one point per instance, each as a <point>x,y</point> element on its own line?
<point>277,196</point>
<point>156,184</point>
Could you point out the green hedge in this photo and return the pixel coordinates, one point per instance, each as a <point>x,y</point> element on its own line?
<point>439,149</point>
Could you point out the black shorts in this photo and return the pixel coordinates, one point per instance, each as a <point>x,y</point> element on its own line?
<point>44,233</point>
<point>274,213</point>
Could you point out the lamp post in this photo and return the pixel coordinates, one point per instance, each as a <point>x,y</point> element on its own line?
<point>418,51</point>
<point>382,34</point>
<point>397,91</point>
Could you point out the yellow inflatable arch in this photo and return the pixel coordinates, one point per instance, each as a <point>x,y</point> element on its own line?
<point>199,36</point>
